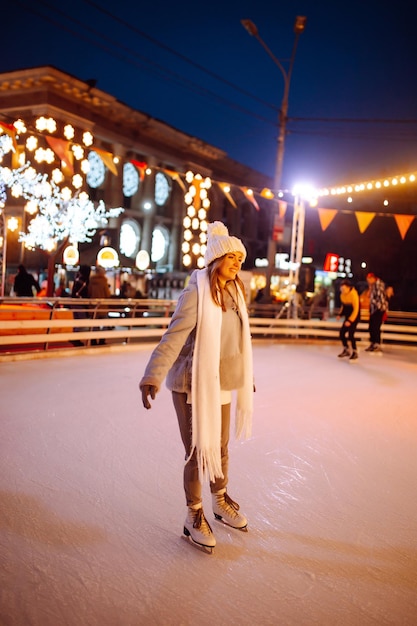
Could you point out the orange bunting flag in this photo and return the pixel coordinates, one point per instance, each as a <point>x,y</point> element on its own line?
<point>282,208</point>
<point>18,157</point>
<point>226,190</point>
<point>250,196</point>
<point>326,217</point>
<point>404,222</point>
<point>10,130</point>
<point>175,176</point>
<point>107,158</point>
<point>61,147</point>
<point>141,166</point>
<point>364,219</point>
<point>267,193</point>
<point>278,227</point>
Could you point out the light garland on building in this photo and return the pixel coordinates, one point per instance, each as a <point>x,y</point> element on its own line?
<point>65,211</point>
<point>195,222</point>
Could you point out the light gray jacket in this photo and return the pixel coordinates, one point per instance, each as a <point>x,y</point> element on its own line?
<point>173,356</point>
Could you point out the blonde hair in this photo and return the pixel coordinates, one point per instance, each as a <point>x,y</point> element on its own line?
<point>215,287</point>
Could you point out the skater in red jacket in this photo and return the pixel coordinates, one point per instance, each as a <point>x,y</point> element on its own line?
<point>206,353</point>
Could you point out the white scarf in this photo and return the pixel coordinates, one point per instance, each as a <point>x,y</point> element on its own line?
<point>205,386</point>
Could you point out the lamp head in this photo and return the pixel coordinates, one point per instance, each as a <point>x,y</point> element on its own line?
<point>250,27</point>
<point>300,24</point>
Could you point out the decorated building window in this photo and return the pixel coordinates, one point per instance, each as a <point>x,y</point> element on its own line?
<point>160,243</point>
<point>162,188</point>
<point>129,238</point>
<point>131,180</point>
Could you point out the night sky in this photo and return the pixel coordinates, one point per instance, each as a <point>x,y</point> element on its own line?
<point>196,68</point>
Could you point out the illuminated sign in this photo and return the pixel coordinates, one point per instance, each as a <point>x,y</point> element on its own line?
<point>108,258</point>
<point>71,255</point>
<point>331,262</point>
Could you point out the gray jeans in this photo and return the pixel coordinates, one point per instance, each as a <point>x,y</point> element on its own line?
<point>192,484</point>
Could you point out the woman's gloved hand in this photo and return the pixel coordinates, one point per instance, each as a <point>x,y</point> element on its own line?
<point>148,390</point>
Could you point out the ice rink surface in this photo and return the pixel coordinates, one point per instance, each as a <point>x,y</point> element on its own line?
<point>92,505</point>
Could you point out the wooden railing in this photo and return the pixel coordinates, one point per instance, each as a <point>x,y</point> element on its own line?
<point>64,323</point>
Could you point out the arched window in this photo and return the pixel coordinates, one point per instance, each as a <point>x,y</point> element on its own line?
<point>129,238</point>
<point>131,180</point>
<point>162,188</point>
<point>160,244</point>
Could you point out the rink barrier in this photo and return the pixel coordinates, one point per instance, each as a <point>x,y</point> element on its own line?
<point>28,325</point>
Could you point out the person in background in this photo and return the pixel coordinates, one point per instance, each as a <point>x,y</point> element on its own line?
<point>349,298</point>
<point>80,285</point>
<point>127,290</point>
<point>389,294</point>
<point>378,305</point>
<point>25,285</point>
<point>62,291</point>
<point>80,290</point>
<point>44,289</point>
<point>206,353</point>
<point>98,288</point>
<point>260,295</point>
<point>319,304</point>
<point>364,305</point>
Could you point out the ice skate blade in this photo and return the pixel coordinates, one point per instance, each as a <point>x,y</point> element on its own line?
<point>220,519</point>
<point>198,546</point>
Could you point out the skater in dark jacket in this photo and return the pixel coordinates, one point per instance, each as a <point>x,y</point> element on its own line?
<point>80,290</point>
<point>206,353</point>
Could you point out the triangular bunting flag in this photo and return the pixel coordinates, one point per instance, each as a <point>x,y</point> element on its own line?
<point>364,219</point>
<point>18,157</point>
<point>404,222</point>
<point>326,217</point>
<point>226,190</point>
<point>175,176</point>
<point>278,227</point>
<point>249,195</point>
<point>10,130</point>
<point>141,166</point>
<point>107,158</point>
<point>61,147</point>
<point>282,208</point>
<point>267,193</point>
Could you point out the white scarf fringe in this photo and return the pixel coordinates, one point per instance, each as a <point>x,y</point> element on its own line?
<point>205,387</point>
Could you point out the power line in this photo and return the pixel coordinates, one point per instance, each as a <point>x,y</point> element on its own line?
<point>352,120</point>
<point>145,61</point>
<point>179,55</point>
<point>127,55</point>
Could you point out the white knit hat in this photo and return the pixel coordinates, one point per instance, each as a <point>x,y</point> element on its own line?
<point>219,243</point>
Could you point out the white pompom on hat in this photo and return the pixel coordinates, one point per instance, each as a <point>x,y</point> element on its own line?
<point>219,243</point>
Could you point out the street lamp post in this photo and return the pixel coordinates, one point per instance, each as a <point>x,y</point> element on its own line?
<point>299,26</point>
<point>296,254</point>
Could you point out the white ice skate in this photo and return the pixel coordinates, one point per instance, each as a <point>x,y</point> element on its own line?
<point>198,531</point>
<point>227,511</point>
